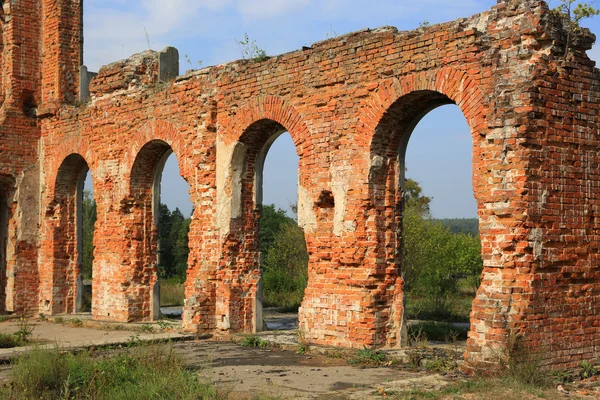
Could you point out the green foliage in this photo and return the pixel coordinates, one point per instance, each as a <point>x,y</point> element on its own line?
<point>573,12</point>
<point>415,200</point>
<point>367,356</point>
<point>172,292</point>
<point>271,220</point>
<point>587,370</point>
<point>76,322</point>
<point>8,341</point>
<point>173,230</point>
<point>25,330</point>
<point>250,51</point>
<point>435,259</point>
<point>89,220</point>
<point>146,328</point>
<point>285,268</point>
<point>254,341</point>
<point>285,258</point>
<point>141,372</point>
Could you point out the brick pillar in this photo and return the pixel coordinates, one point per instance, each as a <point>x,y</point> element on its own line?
<point>62,43</point>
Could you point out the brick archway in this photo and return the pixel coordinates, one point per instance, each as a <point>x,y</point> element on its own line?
<point>533,116</point>
<point>63,220</point>
<point>257,125</point>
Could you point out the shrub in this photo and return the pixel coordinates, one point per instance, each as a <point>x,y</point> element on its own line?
<point>254,341</point>
<point>436,261</point>
<point>143,372</point>
<point>7,341</point>
<point>285,274</point>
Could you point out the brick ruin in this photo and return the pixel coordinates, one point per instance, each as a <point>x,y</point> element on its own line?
<point>350,104</point>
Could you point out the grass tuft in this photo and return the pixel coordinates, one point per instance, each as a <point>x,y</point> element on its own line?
<point>254,341</point>
<point>141,372</point>
<point>367,356</point>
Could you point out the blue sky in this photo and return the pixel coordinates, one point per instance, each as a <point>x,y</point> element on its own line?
<point>439,152</point>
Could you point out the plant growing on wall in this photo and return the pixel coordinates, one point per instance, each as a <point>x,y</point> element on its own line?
<point>250,51</point>
<point>572,13</point>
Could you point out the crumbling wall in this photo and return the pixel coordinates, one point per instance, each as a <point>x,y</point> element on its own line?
<point>350,104</point>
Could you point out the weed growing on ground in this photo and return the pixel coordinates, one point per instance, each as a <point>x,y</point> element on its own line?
<point>439,331</point>
<point>254,341</point>
<point>334,354</point>
<point>7,341</point>
<point>164,325</point>
<point>25,330</point>
<point>59,320</point>
<point>146,328</point>
<point>76,322</point>
<point>587,370</point>
<point>4,318</point>
<point>302,342</point>
<point>367,356</point>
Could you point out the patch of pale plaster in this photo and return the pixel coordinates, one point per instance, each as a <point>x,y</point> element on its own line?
<point>307,219</point>
<point>230,168</point>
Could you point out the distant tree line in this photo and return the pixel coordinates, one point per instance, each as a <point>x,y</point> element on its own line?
<point>469,226</point>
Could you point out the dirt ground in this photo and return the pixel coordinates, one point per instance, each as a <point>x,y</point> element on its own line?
<point>276,371</point>
<point>284,373</point>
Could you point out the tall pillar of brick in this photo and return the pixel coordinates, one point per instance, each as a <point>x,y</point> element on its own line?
<point>20,70</point>
<point>62,44</point>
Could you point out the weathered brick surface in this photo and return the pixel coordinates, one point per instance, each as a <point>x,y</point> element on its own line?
<point>349,104</point>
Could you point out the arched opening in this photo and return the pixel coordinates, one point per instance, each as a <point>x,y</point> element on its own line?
<point>175,211</point>
<point>270,223</point>
<point>86,216</point>
<point>284,258</point>
<point>442,262</point>
<point>68,236</point>
<point>147,210</point>
<point>435,263</point>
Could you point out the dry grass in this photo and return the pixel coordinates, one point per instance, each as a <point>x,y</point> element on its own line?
<point>171,294</point>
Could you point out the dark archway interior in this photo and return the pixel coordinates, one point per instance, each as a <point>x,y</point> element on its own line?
<point>68,195</point>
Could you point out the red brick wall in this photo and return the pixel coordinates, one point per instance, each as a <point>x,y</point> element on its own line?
<point>349,104</point>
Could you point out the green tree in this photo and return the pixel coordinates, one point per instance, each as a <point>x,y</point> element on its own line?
<point>181,250</point>
<point>271,220</point>
<point>173,230</point>
<point>414,198</point>
<point>285,267</point>
<point>165,246</point>
<point>285,258</point>
<point>435,259</point>
<point>573,12</point>
<point>88,221</point>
